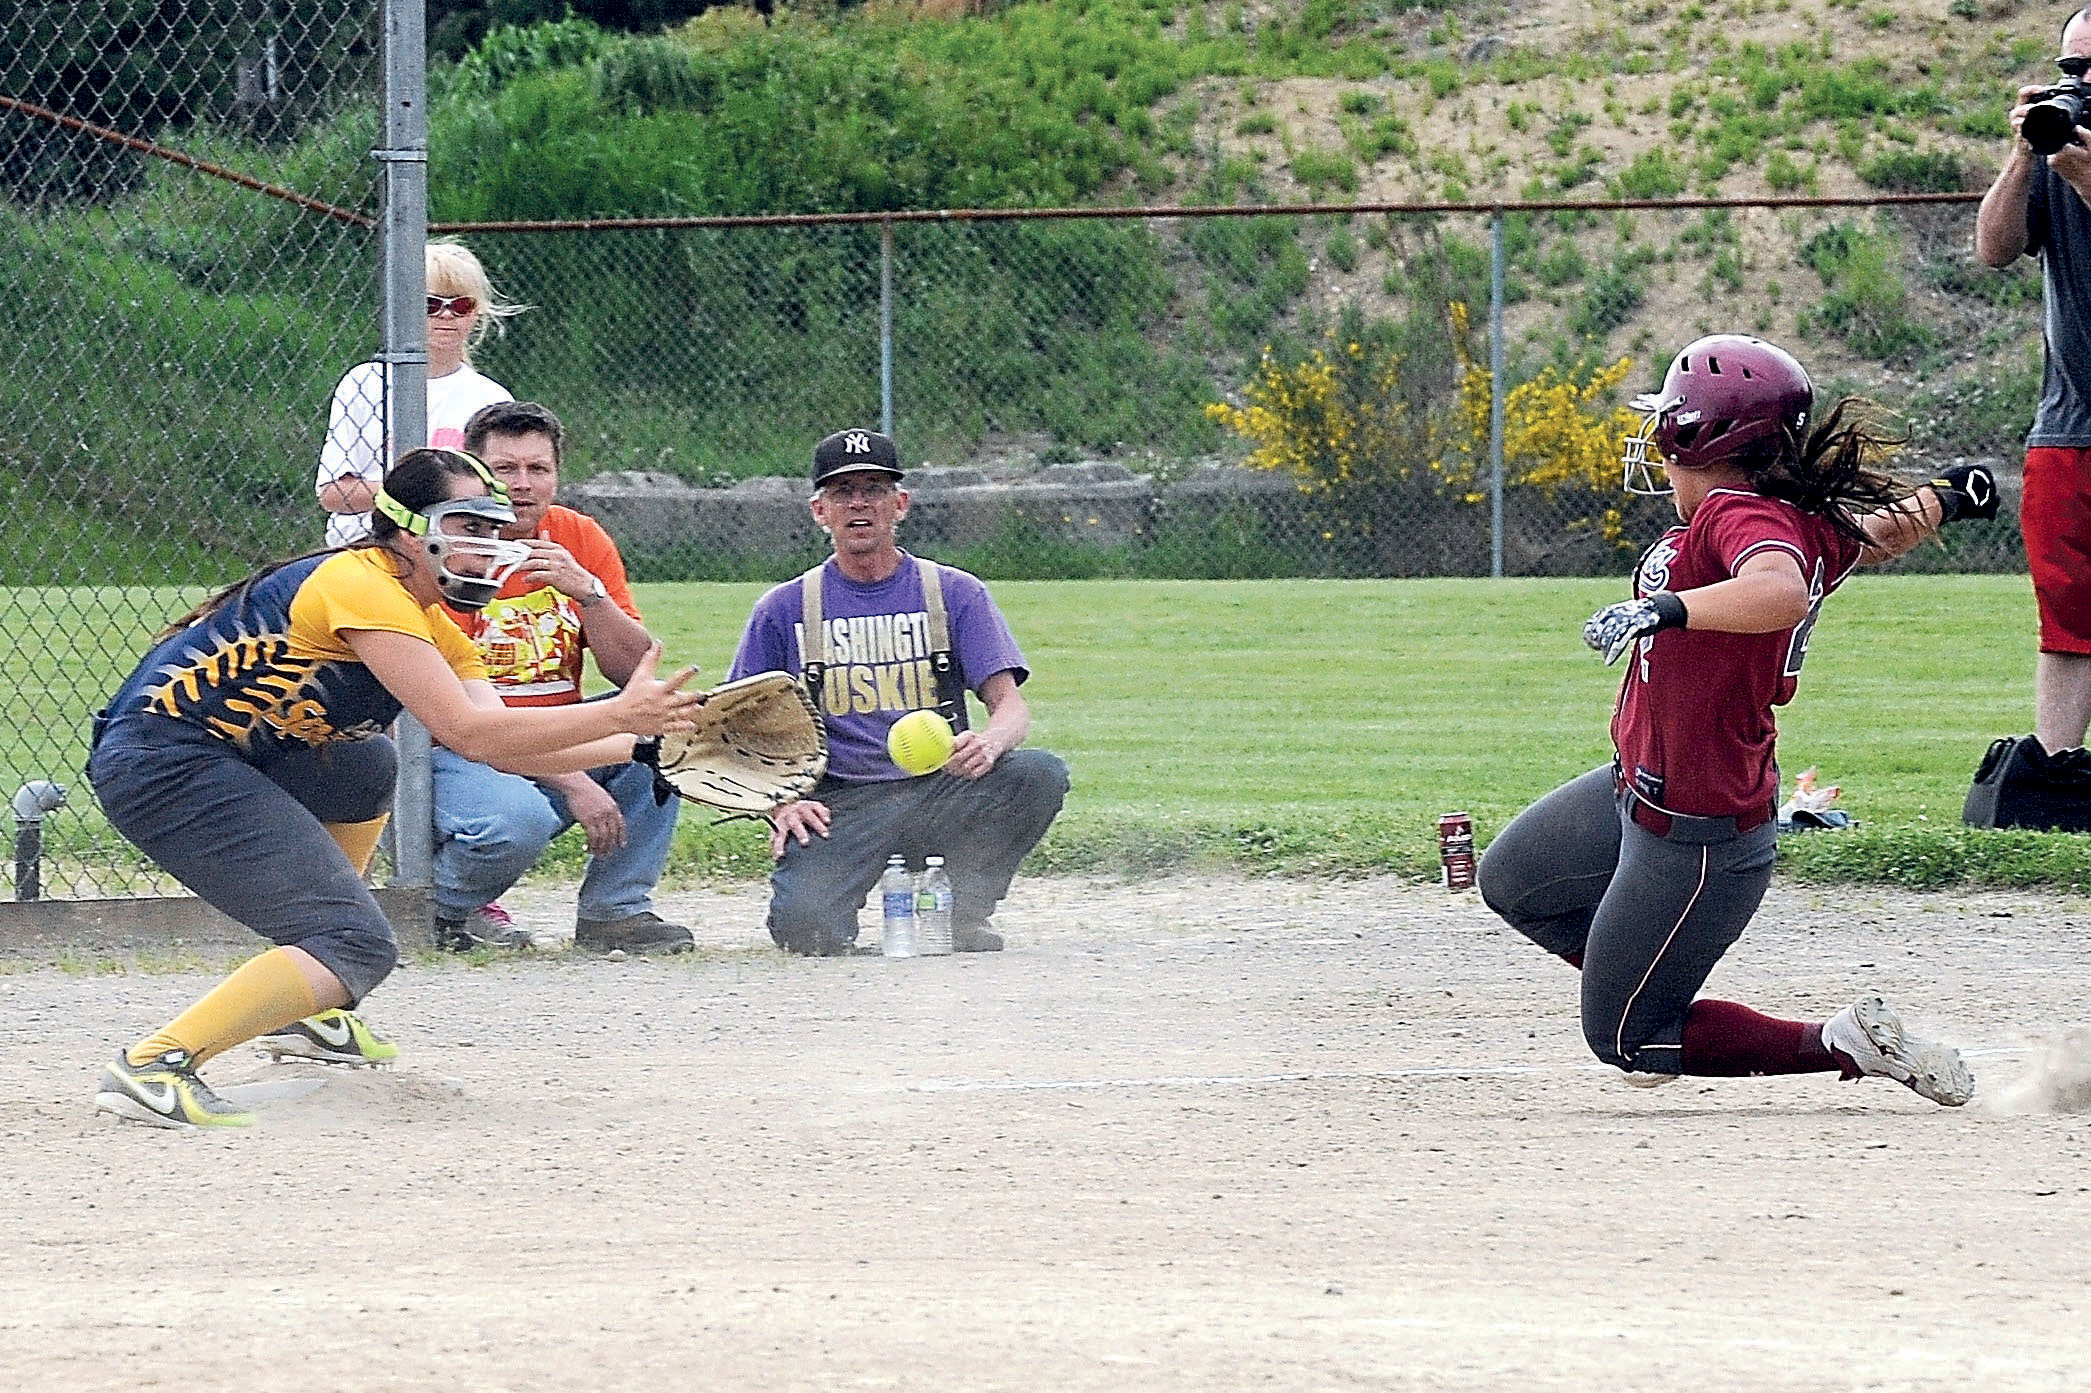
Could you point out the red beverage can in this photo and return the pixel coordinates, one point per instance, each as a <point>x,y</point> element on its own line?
<point>1456,850</point>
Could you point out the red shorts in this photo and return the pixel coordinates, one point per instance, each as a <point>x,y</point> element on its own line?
<point>2054,512</point>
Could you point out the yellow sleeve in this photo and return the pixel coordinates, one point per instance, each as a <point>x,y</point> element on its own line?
<point>457,649</point>
<point>357,590</point>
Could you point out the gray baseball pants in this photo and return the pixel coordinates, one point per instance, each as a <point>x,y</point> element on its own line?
<point>1646,917</point>
<point>983,828</point>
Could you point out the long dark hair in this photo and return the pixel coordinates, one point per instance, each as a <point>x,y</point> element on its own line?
<point>420,478</point>
<point>1834,473</point>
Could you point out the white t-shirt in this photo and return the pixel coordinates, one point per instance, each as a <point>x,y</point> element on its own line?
<point>355,441</point>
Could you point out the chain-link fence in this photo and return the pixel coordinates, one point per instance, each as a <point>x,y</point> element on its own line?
<point>188,267</point>
<point>1067,381</point>
<point>168,339</point>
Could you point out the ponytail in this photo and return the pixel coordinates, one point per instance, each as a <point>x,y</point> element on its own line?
<point>1836,472</point>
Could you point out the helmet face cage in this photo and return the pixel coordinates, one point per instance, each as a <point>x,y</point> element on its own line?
<point>1646,475</point>
<point>471,592</point>
<point>1721,395</point>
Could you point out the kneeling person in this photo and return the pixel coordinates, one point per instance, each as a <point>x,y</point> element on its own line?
<point>869,657</point>
<point>568,598</point>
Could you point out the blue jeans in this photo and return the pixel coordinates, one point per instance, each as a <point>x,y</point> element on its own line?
<point>491,827</point>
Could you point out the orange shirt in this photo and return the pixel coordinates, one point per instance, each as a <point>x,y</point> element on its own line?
<point>529,637</point>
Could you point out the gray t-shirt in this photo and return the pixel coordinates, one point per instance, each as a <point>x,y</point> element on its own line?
<point>2059,225</point>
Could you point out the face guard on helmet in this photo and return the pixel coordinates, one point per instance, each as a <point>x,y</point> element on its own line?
<point>446,529</point>
<point>1722,394</point>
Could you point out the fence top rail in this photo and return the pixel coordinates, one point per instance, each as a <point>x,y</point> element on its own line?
<point>155,150</point>
<point>1494,208</point>
<point>1177,210</point>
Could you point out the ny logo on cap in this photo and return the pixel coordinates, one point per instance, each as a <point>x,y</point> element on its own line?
<point>856,443</point>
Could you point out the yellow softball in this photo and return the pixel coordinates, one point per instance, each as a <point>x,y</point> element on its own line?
<point>920,742</point>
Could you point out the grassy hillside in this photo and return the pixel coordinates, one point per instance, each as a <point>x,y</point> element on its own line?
<point>1070,101</point>
<point>185,332</point>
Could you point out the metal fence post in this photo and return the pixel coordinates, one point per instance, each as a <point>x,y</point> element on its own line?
<point>886,325</point>
<point>403,232</point>
<point>1495,395</point>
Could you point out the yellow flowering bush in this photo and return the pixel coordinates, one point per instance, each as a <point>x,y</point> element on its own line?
<point>1344,421</point>
<point>1334,420</point>
<point>1561,436</point>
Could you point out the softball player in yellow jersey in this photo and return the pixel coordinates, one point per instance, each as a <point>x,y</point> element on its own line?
<point>246,755</point>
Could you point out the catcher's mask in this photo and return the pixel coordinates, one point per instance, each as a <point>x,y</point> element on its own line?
<point>1722,394</point>
<point>444,529</point>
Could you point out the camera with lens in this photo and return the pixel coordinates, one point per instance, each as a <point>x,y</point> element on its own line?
<point>2055,114</point>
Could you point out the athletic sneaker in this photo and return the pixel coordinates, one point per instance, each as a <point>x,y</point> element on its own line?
<point>975,938</point>
<point>1640,1080</point>
<point>480,929</point>
<point>333,1037</point>
<point>1869,1033</point>
<point>644,932</point>
<point>164,1093</point>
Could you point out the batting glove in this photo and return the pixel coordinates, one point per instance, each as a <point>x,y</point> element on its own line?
<point>1613,629</point>
<point>1966,491</point>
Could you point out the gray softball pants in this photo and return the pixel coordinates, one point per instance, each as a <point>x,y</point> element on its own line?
<point>1647,917</point>
<point>983,828</point>
<point>248,840</point>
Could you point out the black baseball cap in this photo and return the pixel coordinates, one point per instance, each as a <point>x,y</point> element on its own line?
<point>853,452</point>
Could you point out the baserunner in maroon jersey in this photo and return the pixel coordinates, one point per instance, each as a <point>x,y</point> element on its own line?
<point>1643,873</point>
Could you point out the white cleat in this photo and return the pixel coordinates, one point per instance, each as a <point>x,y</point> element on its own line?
<point>1869,1032</point>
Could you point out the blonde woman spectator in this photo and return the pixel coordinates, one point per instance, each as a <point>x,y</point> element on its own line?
<point>462,306</point>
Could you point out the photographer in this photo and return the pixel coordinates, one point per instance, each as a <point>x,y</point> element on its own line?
<point>2041,205</point>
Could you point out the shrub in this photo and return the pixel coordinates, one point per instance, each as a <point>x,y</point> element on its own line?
<point>1652,175</point>
<point>1612,296</point>
<point>1562,437</point>
<point>1365,430</point>
<point>1867,303</point>
<point>1910,171</point>
<point>1782,175</point>
<point>1319,168</point>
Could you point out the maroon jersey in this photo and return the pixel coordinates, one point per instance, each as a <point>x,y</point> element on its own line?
<point>1693,726</point>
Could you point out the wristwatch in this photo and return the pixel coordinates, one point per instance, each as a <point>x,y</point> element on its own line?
<point>599,593</point>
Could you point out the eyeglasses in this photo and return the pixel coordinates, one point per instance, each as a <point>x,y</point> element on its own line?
<point>459,305</point>
<point>843,490</point>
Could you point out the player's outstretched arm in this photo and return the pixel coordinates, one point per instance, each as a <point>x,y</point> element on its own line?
<point>1964,491</point>
<point>1764,597</point>
<point>538,739</point>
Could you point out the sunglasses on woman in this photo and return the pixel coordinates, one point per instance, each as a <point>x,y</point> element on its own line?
<point>459,305</point>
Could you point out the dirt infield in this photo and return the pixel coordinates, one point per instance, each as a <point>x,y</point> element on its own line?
<point>1192,1134</point>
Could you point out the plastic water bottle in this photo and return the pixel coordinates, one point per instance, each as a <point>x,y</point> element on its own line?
<point>933,910</point>
<point>897,898</point>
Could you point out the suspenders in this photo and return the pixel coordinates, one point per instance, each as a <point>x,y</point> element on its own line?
<point>951,697</point>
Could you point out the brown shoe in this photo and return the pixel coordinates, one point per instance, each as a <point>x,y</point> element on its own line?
<point>645,932</point>
<point>975,938</point>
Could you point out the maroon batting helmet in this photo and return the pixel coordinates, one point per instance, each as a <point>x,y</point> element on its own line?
<point>1722,394</point>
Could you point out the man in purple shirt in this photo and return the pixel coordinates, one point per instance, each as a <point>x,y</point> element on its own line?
<point>885,645</point>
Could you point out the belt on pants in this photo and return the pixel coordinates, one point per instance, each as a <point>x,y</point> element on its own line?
<point>1684,828</point>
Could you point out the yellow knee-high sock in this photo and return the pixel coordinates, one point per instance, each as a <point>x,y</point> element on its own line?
<point>266,993</point>
<point>358,840</point>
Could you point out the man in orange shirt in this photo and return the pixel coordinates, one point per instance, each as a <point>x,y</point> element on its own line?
<point>570,596</point>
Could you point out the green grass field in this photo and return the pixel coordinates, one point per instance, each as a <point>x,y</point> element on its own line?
<point>1320,727</point>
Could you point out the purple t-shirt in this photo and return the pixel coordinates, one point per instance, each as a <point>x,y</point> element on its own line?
<point>878,654</point>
